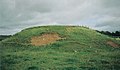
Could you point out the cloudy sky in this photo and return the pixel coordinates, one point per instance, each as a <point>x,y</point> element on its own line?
<point>16,15</point>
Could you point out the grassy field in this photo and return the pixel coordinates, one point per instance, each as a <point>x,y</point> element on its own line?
<point>82,49</point>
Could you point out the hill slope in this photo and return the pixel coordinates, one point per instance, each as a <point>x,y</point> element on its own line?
<point>60,47</point>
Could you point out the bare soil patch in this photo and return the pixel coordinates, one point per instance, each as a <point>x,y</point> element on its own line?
<point>111,43</point>
<point>45,39</point>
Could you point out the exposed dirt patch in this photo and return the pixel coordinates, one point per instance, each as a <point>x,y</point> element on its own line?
<point>45,39</point>
<point>111,43</point>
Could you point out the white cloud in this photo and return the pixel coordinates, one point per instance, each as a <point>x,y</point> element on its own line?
<point>97,14</point>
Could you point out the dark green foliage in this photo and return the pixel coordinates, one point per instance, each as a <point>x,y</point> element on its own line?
<point>33,68</point>
<point>2,37</point>
<point>112,34</point>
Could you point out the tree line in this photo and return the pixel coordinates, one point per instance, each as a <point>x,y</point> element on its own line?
<point>113,34</point>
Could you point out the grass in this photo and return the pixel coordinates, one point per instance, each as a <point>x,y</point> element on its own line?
<point>83,49</point>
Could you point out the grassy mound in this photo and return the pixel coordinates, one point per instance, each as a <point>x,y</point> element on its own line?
<point>82,48</point>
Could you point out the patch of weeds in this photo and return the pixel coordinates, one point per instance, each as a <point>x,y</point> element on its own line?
<point>34,58</point>
<point>26,59</point>
<point>9,61</point>
<point>116,67</point>
<point>71,61</point>
<point>33,68</point>
<point>92,61</point>
<point>8,55</point>
<point>69,68</point>
<point>55,58</point>
<point>55,45</point>
<point>116,62</point>
<point>42,61</point>
<point>88,68</point>
<point>115,57</point>
<point>104,62</point>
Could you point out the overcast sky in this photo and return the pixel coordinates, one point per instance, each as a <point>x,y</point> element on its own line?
<point>16,15</point>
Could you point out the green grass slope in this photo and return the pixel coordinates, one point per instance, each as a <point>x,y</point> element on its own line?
<point>83,49</point>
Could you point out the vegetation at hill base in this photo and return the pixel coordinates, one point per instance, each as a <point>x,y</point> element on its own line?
<point>2,37</point>
<point>81,49</point>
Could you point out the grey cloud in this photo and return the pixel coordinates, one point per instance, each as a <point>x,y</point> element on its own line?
<point>110,3</point>
<point>97,14</point>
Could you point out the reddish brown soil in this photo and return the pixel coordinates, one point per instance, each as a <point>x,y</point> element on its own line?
<point>45,39</point>
<point>112,44</point>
